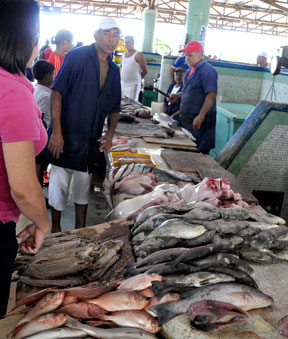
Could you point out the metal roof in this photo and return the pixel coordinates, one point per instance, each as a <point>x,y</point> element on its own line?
<point>257,16</point>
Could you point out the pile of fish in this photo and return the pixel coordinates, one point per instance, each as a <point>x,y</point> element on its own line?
<point>216,192</point>
<point>51,313</point>
<point>215,285</point>
<point>136,177</point>
<point>132,107</point>
<point>67,261</point>
<point>257,236</point>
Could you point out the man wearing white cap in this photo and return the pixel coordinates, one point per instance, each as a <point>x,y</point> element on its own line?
<point>86,90</point>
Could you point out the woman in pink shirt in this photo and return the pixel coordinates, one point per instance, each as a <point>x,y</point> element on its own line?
<point>22,136</point>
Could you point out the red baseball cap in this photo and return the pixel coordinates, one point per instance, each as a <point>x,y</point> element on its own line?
<point>192,46</point>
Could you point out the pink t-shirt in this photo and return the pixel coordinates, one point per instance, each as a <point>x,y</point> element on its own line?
<point>20,120</point>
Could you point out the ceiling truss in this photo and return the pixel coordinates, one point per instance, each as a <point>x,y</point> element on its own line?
<point>263,16</point>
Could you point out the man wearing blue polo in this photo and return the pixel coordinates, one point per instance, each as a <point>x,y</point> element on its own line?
<point>86,90</point>
<point>198,98</point>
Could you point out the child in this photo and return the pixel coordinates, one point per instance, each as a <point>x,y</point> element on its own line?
<point>43,72</point>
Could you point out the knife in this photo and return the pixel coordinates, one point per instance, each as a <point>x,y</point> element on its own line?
<point>161,92</point>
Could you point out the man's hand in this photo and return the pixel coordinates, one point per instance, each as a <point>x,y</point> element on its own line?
<point>197,122</point>
<point>107,144</point>
<point>174,97</point>
<point>56,144</point>
<point>34,239</point>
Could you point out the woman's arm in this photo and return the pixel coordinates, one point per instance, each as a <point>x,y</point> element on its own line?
<point>26,191</point>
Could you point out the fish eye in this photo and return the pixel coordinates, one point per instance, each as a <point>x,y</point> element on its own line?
<point>139,297</point>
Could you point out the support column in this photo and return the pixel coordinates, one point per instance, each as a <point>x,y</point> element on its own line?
<point>149,19</point>
<point>197,20</point>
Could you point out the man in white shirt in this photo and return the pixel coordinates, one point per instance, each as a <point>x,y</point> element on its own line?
<point>133,70</point>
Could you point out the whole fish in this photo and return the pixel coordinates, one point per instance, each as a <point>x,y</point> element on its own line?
<point>198,279</point>
<point>259,256</point>
<point>159,257</point>
<point>150,211</point>
<point>120,301</point>
<point>170,175</point>
<point>208,314</point>
<point>63,332</point>
<point>225,259</point>
<point>242,296</point>
<point>283,326</point>
<point>139,319</point>
<point>152,222</point>
<point>42,323</point>
<point>266,217</point>
<point>139,282</point>
<point>114,333</point>
<point>47,304</point>
<point>177,228</point>
<point>201,252</point>
<point>203,212</point>
<point>239,275</point>
<point>82,310</point>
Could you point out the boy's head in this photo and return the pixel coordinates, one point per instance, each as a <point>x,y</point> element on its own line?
<point>43,72</point>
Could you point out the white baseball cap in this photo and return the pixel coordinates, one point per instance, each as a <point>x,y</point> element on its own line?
<point>108,23</point>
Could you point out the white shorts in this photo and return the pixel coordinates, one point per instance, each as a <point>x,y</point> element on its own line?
<point>131,91</point>
<point>66,183</point>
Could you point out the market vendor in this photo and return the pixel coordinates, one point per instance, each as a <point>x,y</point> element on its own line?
<point>198,98</point>
<point>170,108</point>
<point>86,90</point>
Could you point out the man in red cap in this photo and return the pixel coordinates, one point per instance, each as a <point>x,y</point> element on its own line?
<point>198,98</point>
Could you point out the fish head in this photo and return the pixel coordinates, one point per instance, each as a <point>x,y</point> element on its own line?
<point>155,277</point>
<point>55,319</point>
<point>208,314</point>
<point>249,300</point>
<point>153,326</point>
<point>140,301</point>
<point>54,298</point>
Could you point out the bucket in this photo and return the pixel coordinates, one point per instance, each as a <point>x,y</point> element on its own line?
<point>148,97</point>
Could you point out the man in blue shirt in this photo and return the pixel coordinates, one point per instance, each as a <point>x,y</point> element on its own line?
<point>179,62</point>
<point>198,98</point>
<point>172,109</point>
<point>86,90</point>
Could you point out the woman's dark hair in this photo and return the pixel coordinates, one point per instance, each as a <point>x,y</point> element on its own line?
<point>19,33</point>
<point>62,36</point>
<point>41,68</point>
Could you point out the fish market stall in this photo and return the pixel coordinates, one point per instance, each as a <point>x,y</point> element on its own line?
<point>187,251</point>
<point>247,246</point>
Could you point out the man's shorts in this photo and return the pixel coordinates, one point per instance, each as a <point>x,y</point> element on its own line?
<point>66,183</point>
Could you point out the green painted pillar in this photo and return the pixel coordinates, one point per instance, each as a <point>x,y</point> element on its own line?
<point>149,27</point>
<point>197,20</point>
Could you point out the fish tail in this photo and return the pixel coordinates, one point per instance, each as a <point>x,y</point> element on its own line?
<point>164,313</point>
